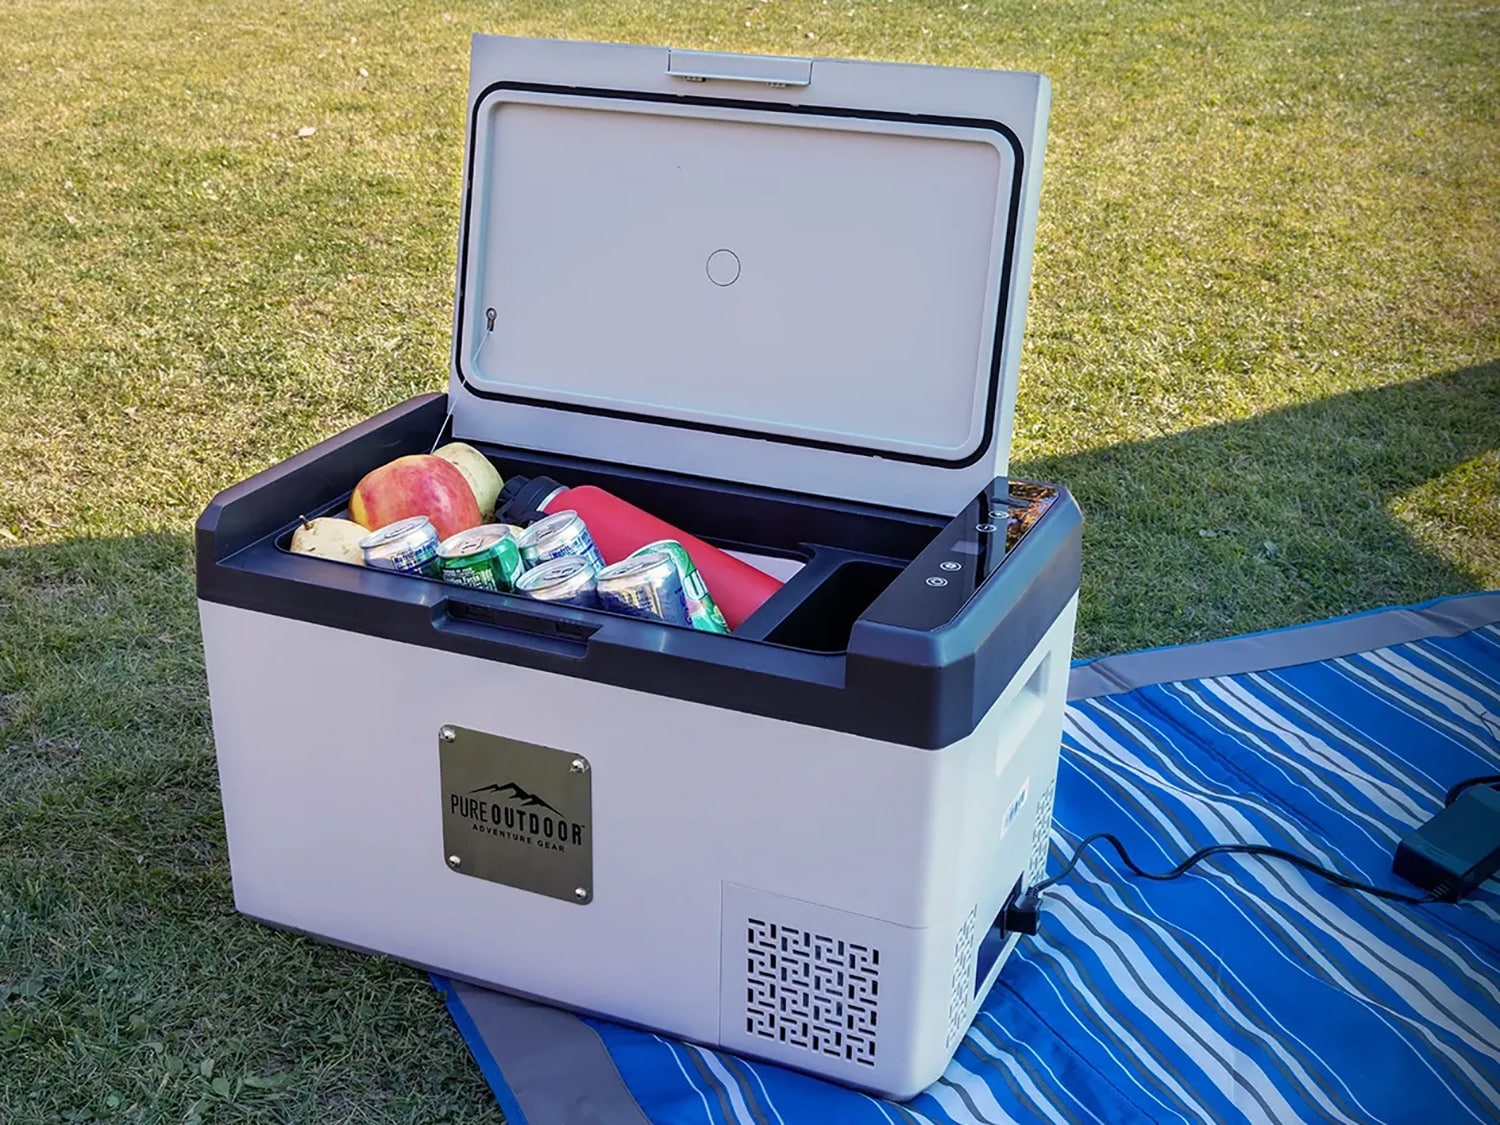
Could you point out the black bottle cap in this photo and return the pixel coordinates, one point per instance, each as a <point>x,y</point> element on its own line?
<point>521,499</point>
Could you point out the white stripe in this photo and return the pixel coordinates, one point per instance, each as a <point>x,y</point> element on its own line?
<point>1194,793</point>
<point>1040,950</point>
<point>1193,702</point>
<point>1106,766</point>
<point>979,1092</point>
<point>708,1114</point>
<point>1389,798</point>
<point>1100,766</point>
<point>1408,787</point>
<point>1435,1008</point>
<point>1114,758</point>
<point>1224,707</point>
<point>731,1087</point>
<point>1457,955</point>
<point>1194,1036</point>
<point>754,1072</point>
<point>1267,919</point>
<point>1483,909</point>
<point>1454,664</point>
<point>1129,1043</point>
<point>1043,1104</point>
<point>1383,699</point>
<point>1452,952</point>
<point>1439,1009</point>
<point>1457,701</point>
<point>1408,701</point>
<point>1185,960</point>
<point>887,1113</point>
<point>985,1038</point>
<point>1217,813</point>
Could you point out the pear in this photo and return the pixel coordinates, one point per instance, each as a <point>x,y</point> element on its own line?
<point>477,470</point>
<point>330,538</point>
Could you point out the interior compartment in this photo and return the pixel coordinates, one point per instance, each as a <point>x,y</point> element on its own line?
<point>836,557</point>
<point>821,620</point>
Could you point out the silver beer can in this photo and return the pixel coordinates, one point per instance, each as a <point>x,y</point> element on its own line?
<point>569,580</point>
<point>407,546</point>
<point>648,586</point>
<point>558,536</point>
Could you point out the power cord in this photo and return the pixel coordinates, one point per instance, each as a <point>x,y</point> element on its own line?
<point>1024,913</point>
<point>1224,849</point>
<point>1459,789</point>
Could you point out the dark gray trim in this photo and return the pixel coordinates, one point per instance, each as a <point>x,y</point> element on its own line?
<point>1303,644</point>
<point>921,665</point>
<point>555,1064</point>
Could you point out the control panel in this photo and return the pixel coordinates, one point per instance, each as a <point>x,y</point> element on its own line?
<point>935,587</point>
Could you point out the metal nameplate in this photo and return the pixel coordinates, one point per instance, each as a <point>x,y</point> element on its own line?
<point>517,813</point>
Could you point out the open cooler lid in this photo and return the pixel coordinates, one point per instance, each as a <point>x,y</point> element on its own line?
<point>807,274</point>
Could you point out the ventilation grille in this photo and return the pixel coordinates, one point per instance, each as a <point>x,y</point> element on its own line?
<point>963,977</point>
<point>1041,834</point>
<point>811,991</point>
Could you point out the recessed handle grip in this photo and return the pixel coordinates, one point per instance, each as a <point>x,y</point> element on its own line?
<point>558,633</point>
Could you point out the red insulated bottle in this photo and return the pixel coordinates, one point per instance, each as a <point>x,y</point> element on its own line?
<point>619,529</point>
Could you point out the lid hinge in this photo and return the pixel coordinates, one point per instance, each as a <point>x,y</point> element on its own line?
<point>711,66</point>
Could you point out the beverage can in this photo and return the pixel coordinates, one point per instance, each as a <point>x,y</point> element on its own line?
<point>569,580</point>
<point>407,546</point>
<point>483,558</point>
<point>558,536</point>
<point>702,610</point>
<point>647,586</point>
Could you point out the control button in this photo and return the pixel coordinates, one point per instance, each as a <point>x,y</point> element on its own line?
<point>935,580</point>
<point>986,528</point>
<point>950,566</point>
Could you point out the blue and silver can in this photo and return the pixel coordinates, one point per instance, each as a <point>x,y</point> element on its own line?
<point>569,580</point>
<point>408,546</point>
<point>558,536</point>
<point>647,586</point>
<point>703,611</point>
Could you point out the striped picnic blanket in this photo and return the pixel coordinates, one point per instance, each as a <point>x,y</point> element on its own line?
<point>1247,990</point>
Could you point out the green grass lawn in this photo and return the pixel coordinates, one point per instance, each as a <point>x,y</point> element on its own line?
<point>1261,349</point>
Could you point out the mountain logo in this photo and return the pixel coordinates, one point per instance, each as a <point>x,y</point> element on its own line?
<point>516,793</point>
<point>507,810</point>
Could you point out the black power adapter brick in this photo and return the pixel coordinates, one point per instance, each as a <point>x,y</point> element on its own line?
<point>1456,850</point>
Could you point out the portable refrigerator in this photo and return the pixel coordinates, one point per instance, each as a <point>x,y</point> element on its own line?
<point>778,303</point>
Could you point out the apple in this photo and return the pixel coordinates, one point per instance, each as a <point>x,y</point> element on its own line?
<point>477,470</point>
<point>418,484</point>
<point>330,539</point>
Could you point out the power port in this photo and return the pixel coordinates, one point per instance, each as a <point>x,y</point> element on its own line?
<point>993,943</point>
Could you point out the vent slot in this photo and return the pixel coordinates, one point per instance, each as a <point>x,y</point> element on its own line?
<point>963,973</point>
<point>1041,833</point>
<point>811,991</point>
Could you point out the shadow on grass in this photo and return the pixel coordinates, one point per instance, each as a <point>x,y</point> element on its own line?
<point>1283,518</point>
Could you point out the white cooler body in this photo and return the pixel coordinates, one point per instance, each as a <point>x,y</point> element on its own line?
<point>806,896</point>
<point>779,304</point>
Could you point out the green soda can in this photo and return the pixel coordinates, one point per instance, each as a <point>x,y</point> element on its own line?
<point>512,565</point>
<point>703,612</point>
<point>483,558</point>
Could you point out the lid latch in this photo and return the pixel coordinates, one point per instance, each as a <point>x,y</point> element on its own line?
<point>712,66</point>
